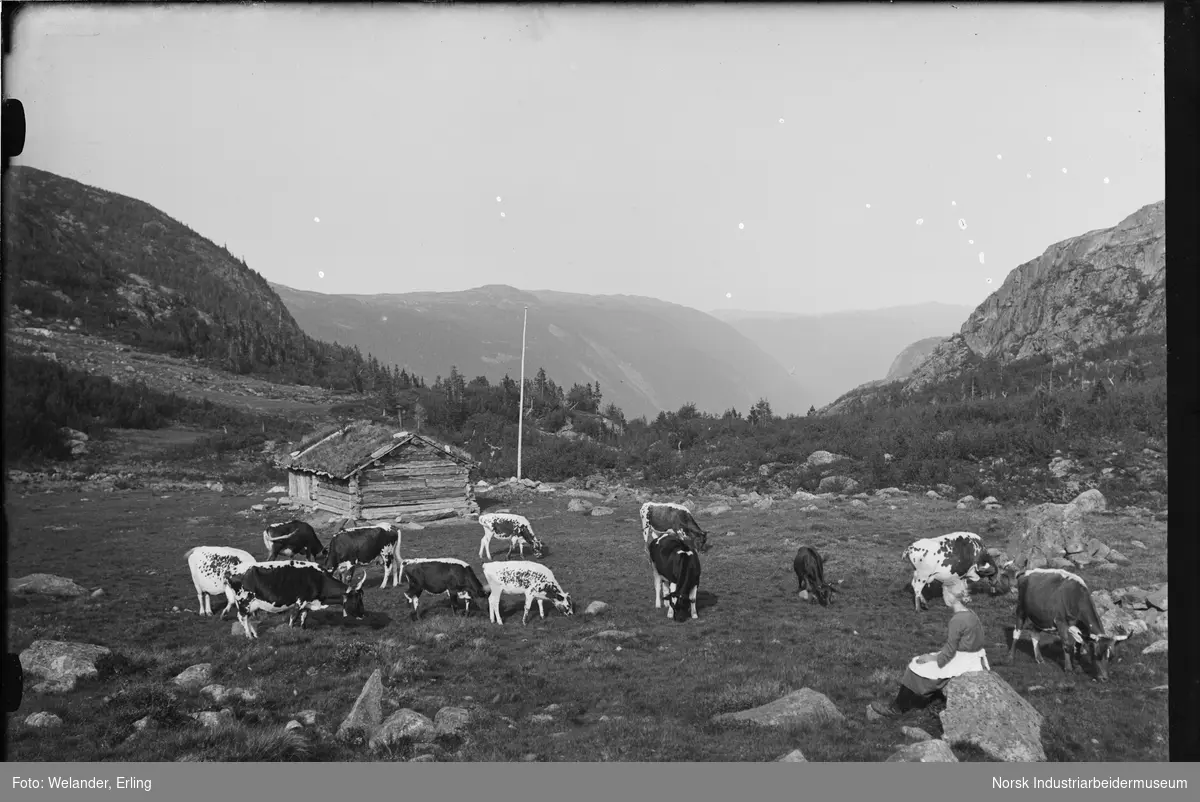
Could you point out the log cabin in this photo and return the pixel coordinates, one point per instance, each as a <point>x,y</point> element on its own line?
<point>365,471</point>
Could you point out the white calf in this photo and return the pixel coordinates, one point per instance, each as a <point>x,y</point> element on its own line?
<point>211,567</point>
<point>514,528</point>
<point>534,581</point>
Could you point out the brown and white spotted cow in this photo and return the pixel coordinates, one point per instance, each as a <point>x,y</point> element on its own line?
<point>936,559</point>
<point>211,568</point>
<point>661,517</point>
<point>514,528</point>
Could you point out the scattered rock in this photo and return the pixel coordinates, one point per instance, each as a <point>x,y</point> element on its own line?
<point>1117,557</point>
<point>794,756</point>
<point>258,507</point>
<point>990,500</point>
<point>916,734</point>
<point>529,757</point>
<point>837,484</point>
<point>715,509</point>
<point>452,720</point>
<point>1097,550</point>
<point>1061,467</point>
<point>1157,598</point>
<point>277,489</point>
<point>46,585</point>
<point>196,676</point>
<point>579,505</point>
<point>820,458</point>
<point>858,503</point>
<point>307,717</point>
<point>1091,501</point>
<point>293,725</point>
<point>1137,544</point>
<point>209,718</point>
<point>984,710</point>
<point>60,664</point>
<point>216,487</point>
<point>934,750</point>
<point>541,718</point>
<point>598,511</point>
<point>404,723</point>
<point>43,720</point>
<point>426,758</point>
<point>764,503</point>
<point>366,715</point>
<point>615,634</point>
<point>1158,647</point>
<point>807,498</point>
<point>798,707</point>
<point>967,501</point>
<point>595,608</point>
<point>933,494</point>
<point>97,593</point>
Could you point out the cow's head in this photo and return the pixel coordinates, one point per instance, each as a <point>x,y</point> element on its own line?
<point>560,599</point>
<point>352,599</point>
<point>1005,579</point>
<point>699,539</point>
<point>539,546</point>
<point>1097,650</point>
<point>825,593</point>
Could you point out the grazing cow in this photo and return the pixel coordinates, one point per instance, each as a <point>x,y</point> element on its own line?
<point>363,545</point>
<point>211,568</point>
<point>296,588</point>
<point>661,517</point>
<point>810,573</point>
<point>936,559</point>
<point>676,574</point>
<point>533,581</point>
<point>441,575</point>
<point>294,538</point>
<point>1054,600</point>
<point>516,529</point>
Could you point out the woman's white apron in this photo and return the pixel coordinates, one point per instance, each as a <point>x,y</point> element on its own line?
<point>960,663</point>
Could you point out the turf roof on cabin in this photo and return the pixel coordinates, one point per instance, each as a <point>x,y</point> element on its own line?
<point>339,451</point>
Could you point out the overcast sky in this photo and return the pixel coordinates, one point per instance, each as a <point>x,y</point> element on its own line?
<point>612,149</point>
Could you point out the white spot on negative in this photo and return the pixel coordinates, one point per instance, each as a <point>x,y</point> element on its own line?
<point>1029,175</point>
<point>868,206</point>
<point>989,281</point>
<point>320,274</point>
<point>501,214</point>
<point>741,225</point>
<point>920,220</point>
<point>1106,179</point>
<point>781,121</point>
<point>970,242</point>
<point>729,295</point>
<point>981,257</point>
<point>316,219</point>
<point>1064,171</point>
<point>962,224</point>
<point>998,156</point>
<point>385,318</point>
<point>497,199</point>
<point>953,203</point>
<point>1048,139</point>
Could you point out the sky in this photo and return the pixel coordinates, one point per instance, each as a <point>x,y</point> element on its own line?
<point>797,158</point>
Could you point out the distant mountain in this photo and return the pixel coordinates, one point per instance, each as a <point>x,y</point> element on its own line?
<point>833,353</point>
<point>647,355</point>
<point>120,269</point>
<point>1105,286</point>
<point>911,358</point>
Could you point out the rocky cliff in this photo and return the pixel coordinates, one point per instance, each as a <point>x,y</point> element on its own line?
<point>911,358</point>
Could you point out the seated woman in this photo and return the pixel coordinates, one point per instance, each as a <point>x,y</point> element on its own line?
<point>964,651</point>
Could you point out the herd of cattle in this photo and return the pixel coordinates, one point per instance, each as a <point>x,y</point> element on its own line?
<point>313,576</point>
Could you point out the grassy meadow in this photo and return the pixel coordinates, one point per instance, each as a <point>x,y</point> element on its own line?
<point>648,696</point>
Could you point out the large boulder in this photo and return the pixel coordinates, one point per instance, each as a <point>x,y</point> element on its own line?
<point>46,585</point>
<point>984,710</point>
<point>1091,501</point>
<point>60,664</point>
<point>820,458</point>
<point>799,707</point>
<point>837,484</point>
<point>366,715</point>
<point>1050,530</point>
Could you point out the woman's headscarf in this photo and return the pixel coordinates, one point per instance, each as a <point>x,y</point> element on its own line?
<point>956,588</point>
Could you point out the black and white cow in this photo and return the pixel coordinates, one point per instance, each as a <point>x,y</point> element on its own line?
<point>211,568</point>
<point>936,559</point>
<point>446,575</point>
<point>659,518</point>
<point>810,574</point>
<point>516,529</point>
<point>676,574</point>
<point>1054,600</point>
<point>298,588</point>
<point>292,538</point>
<point>533,581</point>
<point>363,545</point>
